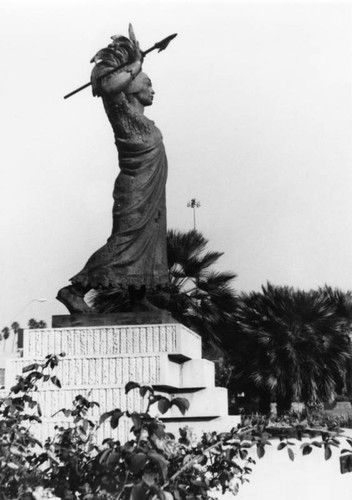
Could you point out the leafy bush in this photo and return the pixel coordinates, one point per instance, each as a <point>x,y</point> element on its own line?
<point>20,459</point>
<point>152,464</point>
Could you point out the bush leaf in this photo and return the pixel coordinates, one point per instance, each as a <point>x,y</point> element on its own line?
<point>328,452</point>
<point>105,416</point>
<point>130,385</point>
<point>307,449</point>
<point>137,462</point>
<point>181,403</point>
<point>260,450</point>
<point>115,417</point>
<point>137,421</point>
<point>160,461</point>
<point>164,405</point>
<point>144,389</point>
<point>56,381</point>
<point>29,368</point>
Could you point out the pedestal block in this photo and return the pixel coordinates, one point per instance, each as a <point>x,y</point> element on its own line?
<point>100,360</point>
<point>132,339</point>
<point>95,371</point>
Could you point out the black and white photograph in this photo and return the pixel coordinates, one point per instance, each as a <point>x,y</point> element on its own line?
<point>176,221</point>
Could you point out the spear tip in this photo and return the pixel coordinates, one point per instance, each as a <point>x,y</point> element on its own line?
<point>165,42</point>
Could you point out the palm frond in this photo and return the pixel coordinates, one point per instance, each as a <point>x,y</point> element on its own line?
<point>182,246</point>
<point>214,280</point>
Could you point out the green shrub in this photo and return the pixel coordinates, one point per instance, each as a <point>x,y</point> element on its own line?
<point>152,464</point>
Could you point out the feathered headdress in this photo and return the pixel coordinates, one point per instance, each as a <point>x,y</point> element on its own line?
<point>121,50</point>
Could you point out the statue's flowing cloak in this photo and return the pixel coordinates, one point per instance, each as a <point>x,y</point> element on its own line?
<point>135,253</point>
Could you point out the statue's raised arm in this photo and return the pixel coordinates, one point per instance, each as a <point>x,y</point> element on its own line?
<point>134,257</point>
<point>121,52</point>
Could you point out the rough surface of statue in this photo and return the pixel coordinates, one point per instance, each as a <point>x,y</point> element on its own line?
<point>134,257</point>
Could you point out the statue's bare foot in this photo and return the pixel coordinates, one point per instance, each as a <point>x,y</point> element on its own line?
<point>73,300</point>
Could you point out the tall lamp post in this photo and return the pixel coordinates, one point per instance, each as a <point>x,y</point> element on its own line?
<point>16,325</point>
<point>25,307</point>
<point>193,203</point>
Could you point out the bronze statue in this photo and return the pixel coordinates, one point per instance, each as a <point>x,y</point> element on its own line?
<point>134,257</point>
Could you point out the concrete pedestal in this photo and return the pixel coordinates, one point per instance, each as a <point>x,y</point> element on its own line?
<point>100,360</point>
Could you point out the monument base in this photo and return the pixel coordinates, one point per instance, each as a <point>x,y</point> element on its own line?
<point>100,360</point>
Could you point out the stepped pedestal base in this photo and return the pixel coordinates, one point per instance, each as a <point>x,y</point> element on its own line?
<point>100,360</point>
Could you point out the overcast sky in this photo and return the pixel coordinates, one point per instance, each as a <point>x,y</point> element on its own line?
<point>254,103</point>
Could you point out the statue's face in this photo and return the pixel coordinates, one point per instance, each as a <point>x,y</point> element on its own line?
<point>146,93</point>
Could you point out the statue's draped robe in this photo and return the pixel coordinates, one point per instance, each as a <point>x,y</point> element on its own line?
<point>135,253</point>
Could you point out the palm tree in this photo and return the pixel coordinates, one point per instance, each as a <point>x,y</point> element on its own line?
<point>15,327</point>
<point>197,296</point>
<point>5,334</point>
<point>342,303</point>
<point>288,343</point>
<point>34,324</point>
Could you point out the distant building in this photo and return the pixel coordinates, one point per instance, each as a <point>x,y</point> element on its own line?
<point>8,349</point>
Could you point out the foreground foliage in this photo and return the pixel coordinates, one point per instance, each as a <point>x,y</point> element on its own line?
<point>152,464</point>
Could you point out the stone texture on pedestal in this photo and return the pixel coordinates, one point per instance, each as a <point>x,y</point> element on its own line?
<point>100,360</point>
<point>174,339</point>
<point>109,371</point>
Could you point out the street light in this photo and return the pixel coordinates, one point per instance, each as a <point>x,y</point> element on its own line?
<point>25,307</point>
<point>193,203</point>
<point>20,312</point>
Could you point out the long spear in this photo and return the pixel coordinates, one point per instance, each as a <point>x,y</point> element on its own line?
<point>158,45</point>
